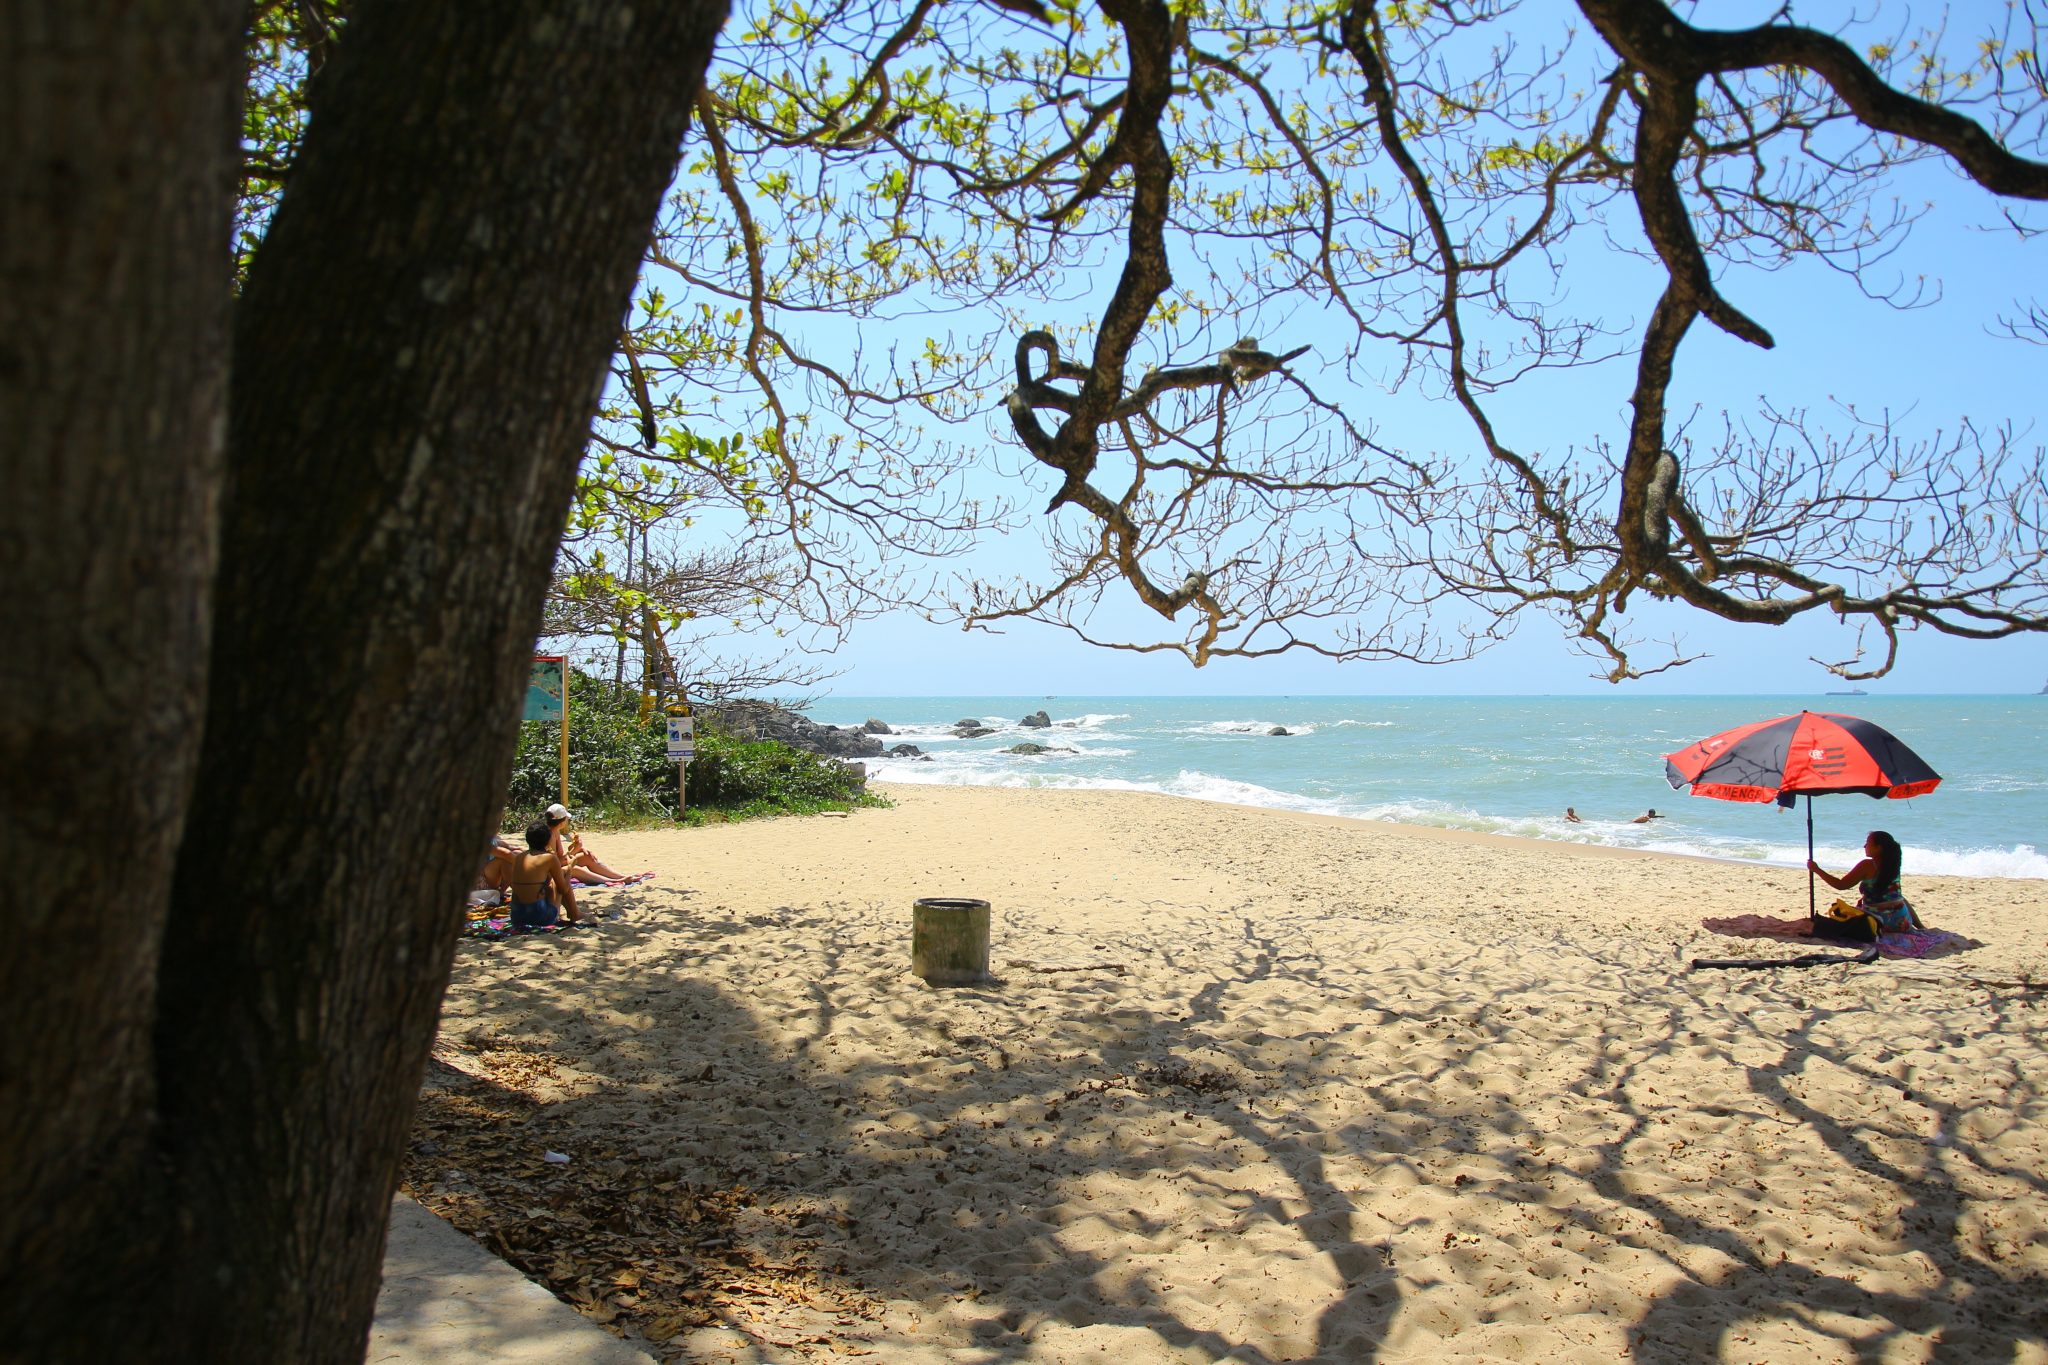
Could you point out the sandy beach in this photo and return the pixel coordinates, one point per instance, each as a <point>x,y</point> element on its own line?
<point>1247,1086</point>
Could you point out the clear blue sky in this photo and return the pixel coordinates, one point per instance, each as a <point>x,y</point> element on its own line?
<point>901,656</point>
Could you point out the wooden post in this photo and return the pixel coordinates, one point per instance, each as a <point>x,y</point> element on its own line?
<point>682,742</point>
<point>565,734</point>
<point>949,940</point>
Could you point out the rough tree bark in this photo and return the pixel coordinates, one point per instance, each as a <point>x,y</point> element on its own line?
<point>243,855</point>
<point>116,143</point>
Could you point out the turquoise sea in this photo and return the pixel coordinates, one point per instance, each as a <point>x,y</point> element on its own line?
<point>1505,765</point>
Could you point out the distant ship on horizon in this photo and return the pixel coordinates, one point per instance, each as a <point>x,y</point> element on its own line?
<point>1859,692</point>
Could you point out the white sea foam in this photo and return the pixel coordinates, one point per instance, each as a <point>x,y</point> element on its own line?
<point>2020,861</point>
<point>1493,766</point>
<point>1209,787</point>
<point>1091,721</point>
<point>963,770</point>
<point>1995,782</point>
<point>1260,728</point>
<point>944,729</point>
<point>952,775</point>
<point>1002,770</point>
<point>940,733</point>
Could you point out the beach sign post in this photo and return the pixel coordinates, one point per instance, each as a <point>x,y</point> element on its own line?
<point>547,698</point>
<point>682,747</point>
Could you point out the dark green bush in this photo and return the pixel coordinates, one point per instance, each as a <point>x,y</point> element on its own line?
<point>741,772</point>
<point>618,767</point>
<point>619,770</point>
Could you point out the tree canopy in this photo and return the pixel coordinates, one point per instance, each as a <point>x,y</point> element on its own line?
<point>1110,205</point>
<point>933,262</point>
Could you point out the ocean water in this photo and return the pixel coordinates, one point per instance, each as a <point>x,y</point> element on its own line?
<point>1505,765</point>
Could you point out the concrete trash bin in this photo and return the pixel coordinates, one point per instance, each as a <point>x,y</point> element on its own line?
<point>949,940</point>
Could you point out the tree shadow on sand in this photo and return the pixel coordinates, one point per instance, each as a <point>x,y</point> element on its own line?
<point>1288,1157</point>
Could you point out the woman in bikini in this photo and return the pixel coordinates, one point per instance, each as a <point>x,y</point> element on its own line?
<point>1877,880</point>
<point>536,877</point>
<point>582,864</point>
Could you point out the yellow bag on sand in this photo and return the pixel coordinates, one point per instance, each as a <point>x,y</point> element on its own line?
<point>1841,909</point>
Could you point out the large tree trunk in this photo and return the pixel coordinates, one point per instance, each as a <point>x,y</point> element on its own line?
<point>116,149</point>
<point>415,361</point>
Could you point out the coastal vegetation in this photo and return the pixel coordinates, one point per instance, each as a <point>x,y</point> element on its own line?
<point>283,518</point>
<point>620,772</point>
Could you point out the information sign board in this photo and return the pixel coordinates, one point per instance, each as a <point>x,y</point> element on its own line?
<point>682,738</point>
<point>544,688</point>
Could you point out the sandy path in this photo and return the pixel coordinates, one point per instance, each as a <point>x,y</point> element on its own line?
<point>1262,1087</point>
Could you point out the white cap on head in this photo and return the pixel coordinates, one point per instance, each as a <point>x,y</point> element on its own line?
<point>558,811</point>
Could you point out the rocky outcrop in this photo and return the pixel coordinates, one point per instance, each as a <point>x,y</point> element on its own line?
<point>1279,730</point>
<point>874,727</point>
<point>1037,720</point>
<point>905,751</point>
<point>968,724</point>
<point>971,732</point>
<point>1036,749</point>
<point>766,720</point>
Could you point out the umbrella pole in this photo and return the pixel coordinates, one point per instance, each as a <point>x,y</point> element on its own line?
<point>1812,902</point>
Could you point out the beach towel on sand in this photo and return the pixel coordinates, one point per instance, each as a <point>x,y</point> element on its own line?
<point>1913,943</point>
<point>501,927</point>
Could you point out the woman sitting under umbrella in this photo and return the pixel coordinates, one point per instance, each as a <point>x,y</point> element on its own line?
<point>1877,878</point>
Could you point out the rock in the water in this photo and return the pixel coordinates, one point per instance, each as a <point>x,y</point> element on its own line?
<point>972,732</point>
<point>1278,730</point>
<point>875,727</point>
<point>1037,720</point>
<point>905,751</point>
<point>967,724</point>
<point>1028,748</point>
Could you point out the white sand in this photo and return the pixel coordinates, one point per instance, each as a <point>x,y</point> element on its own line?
<point>1262,1087</point>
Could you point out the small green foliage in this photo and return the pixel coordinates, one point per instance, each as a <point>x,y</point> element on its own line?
<point>620,773</point>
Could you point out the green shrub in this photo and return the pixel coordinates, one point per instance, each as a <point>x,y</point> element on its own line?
<point>619,769</point>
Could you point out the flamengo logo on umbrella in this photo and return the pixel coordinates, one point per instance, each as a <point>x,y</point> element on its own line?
<point>1827,762</point>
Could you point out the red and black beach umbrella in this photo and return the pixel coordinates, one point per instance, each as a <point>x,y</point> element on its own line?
<point>1810,754</point>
